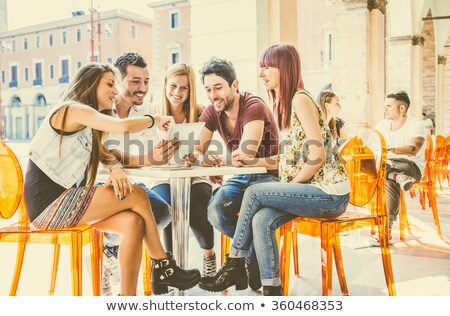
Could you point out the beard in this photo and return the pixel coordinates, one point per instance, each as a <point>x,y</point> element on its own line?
<point>228,102</point>
<point>130,96</point>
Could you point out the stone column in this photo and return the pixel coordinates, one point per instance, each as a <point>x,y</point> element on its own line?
<point>440,92</point>
<point>415,109</point>
<point>283,22</point>
<point>377,59</point>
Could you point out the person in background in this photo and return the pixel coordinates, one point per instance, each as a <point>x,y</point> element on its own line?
<point>246,125</point>
<point>331,106</point>
<point>428,123</point>
<point>180,101</point>
<point>59,184</point>
<point>313,179</point>
<point>130,103</point>
<point>405,138</point>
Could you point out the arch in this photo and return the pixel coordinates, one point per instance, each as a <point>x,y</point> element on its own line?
<point>15,101</point>
<point>40,100</point>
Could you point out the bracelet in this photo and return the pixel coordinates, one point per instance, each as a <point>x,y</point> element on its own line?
<point>153,120</point>
<point>113,164</point>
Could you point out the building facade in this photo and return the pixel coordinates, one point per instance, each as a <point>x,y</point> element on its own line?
<point>171,44</point>
<point>364,48</point>
<point>37,62</point>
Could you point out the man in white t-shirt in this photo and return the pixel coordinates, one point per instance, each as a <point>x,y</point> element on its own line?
<point>137,149</point>
<point>428,123</point>
<point>405,139</point>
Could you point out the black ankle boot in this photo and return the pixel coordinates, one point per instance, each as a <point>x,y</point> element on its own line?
<point>254,279</point>
<point>231,273</point>
<point>272,291</point>
<point>165,273</point>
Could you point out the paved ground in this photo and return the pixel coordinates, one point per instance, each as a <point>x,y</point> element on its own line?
<point>421,264</point>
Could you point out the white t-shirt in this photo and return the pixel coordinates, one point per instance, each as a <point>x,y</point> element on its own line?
<point>428,124</point>
<point>139,143</point>
<point>401,137</point>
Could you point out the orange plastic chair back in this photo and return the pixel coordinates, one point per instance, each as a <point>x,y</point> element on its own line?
<point>22,233</point>
<point>11,182</point>
<point>362,169</point>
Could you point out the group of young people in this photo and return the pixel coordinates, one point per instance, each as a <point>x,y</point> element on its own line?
<point>94,122</point>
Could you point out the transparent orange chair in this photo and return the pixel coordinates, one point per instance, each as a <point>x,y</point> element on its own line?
<point>365,158</point>
<point>440,167</point>
<point>426,187</point>
<point>22,233</point>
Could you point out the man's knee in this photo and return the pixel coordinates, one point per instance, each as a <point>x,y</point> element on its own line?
<point>220,208</point>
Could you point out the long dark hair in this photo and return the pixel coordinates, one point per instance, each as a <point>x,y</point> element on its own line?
<point>326,96</point>
<point>286,58</point>
<point>83,89</point>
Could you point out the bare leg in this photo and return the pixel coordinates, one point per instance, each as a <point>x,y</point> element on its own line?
<point>130,226</point>
<point>105,204</point>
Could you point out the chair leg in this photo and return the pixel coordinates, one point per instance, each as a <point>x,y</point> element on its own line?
<point>432,198</point>
<point>327,233</point>
<point>285,259</point>
<point>146,268</point>
<point>403,216</point>
<point>423,198</point>
<point>21,245</point>
<point>76,249</point>
<point>96,241</point>
<point>295,253</point>
<point>339,264</point>
<point>56,250</point>
<point>386,258</point>
<point>225,247</point>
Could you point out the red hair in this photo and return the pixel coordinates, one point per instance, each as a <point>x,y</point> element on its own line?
<point>286,58</point>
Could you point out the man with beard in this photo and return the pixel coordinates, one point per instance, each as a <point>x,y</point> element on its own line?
<point>134,150</point>
<point>405,138</point>
<point>246,125</point>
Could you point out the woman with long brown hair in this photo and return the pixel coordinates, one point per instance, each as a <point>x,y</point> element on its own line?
<point>64,158</point>
<point>330,105</point>
<point>313,182</point>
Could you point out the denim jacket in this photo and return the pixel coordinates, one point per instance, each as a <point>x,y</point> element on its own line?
<point>65,164</point>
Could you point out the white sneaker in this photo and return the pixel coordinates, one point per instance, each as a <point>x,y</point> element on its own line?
<point>209,265</point>
<point>106,286</point>
<point>111,264</point>
<point>405,181</point>
<point>111,274</point>
<point>375,242</point>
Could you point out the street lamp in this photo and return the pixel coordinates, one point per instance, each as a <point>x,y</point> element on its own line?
<point>92,30</point>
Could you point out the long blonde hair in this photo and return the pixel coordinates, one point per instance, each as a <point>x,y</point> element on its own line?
<point>190,105</point>
<point>83,89</point>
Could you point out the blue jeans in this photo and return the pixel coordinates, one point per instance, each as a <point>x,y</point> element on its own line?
<point>161,211</point>
<point>267,206</point>
<point>226,202</point>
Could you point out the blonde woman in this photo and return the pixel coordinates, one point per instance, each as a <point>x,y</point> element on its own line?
<point>179,101</point>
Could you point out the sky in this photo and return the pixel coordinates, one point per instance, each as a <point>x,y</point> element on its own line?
<point>22,13</point>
